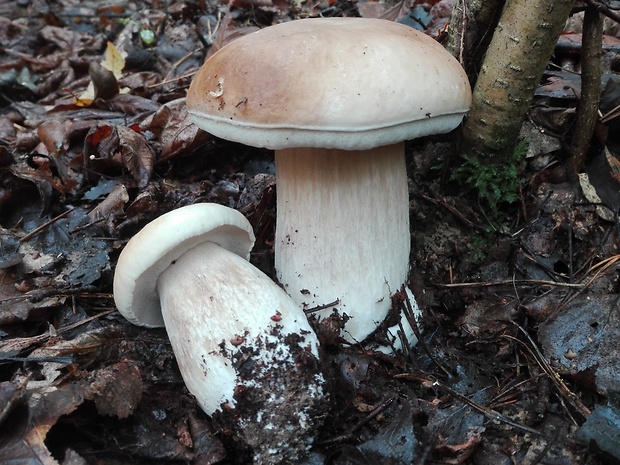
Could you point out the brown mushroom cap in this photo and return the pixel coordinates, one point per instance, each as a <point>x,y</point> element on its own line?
<point>346,83</point>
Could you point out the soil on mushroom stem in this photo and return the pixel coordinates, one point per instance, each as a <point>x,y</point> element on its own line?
<point>280,397</point>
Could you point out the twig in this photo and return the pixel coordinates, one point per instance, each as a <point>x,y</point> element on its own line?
<point>587,109</point>
<point>350,435</point>
<point>504,397</point>
<point>602,266</point>
<point>310,310</point>
<point>516,282</point>
<point>611,114</point>
<point>487,412</point>
<point>452,210</point>
<point>187,75</point>
<point>33,340</point>
<point>553,375</point>
<point>37,296</point>
<point>603,9</point>
<point>36,231</point>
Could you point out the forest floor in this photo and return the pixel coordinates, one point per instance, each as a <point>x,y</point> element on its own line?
<point>519,360</point>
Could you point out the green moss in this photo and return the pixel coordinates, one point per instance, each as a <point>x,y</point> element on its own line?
<point>479,244</point>
<point>496,183</point>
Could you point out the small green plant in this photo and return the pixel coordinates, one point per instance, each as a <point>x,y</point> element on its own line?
<point>479,246</point>
<point>495,183</point>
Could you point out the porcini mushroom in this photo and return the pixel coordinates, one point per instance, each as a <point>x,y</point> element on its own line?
<point>335,98</point>
<point>240,341</point>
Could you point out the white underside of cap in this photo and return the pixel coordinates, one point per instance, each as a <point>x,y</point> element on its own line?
<point>278,137</point>
<point>161,242</point>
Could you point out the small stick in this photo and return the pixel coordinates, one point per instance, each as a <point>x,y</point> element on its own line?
<point>553,375</point>
<point>517,282</point>
<point>487,412</point>
<point>321,307</point>
<point>348,436</point>
<point>36,231</point>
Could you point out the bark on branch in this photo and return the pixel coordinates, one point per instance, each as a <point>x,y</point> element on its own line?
<point>587,111</point>
<point>512,68</point>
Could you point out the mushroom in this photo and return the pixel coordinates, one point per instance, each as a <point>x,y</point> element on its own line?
<point>335,98</point>
<point>241,343</point>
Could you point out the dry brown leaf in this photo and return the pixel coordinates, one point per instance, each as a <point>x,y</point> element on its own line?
<point>132,104</point>
<point>116,390</point>
<point>113,60</point>
<point>207,447</point>
<point>46,175</point>
<point>107,145</point>
<point>175,131</point>
<point>104,84</point>
<point>27,427</point>
<point>113,203</point>
<point>53,135</point>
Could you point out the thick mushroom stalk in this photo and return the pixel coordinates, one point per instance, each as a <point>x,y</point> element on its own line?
<point>241,342</point>
<point>343,214</point>
<point>243,346</point>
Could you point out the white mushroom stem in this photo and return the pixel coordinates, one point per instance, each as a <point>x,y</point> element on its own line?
<point>217,309</point>
<point>342,231</point>
<point>240,341</point>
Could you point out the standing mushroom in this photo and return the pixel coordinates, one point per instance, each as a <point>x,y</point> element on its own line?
<point>335,98</point>
<point>241,343</point>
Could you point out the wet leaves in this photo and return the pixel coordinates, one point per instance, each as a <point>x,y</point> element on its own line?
<point>175,133</point>
<point>396,442</point>
<point>580,341</point>
<point>116,389</point>
<point>108,147</point>
<point>601,429</point>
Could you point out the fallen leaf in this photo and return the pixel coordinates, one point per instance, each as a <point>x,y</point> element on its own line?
<point>116,390</point>
<point>108,145</point>
<point>53,135</point>
<point>208,449</point>
<point>175,131</point>
<point>113,60</point>
<point>29,425</point>
<point>104,77</point>
<point>113,203</point>
<point>104,84</point>
<point>589,327</point>
<point>602,428</point>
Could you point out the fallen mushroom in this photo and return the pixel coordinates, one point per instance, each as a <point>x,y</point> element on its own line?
<point>335,98</point>
<point>241,343</point>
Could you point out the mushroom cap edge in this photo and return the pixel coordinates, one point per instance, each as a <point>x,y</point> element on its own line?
<point>164,240</point>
